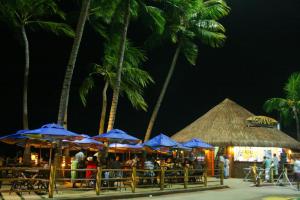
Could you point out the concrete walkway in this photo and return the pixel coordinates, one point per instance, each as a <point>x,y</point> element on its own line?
<point>238,190</point>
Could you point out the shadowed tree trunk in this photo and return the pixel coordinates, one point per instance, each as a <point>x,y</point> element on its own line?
<point>104,107</point>
<point>114,103</point>
<point>64,99</point>
<point>162,94</point>
<point>26,74</point>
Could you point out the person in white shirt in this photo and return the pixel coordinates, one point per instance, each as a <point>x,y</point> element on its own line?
<point>297,171</point>
<point>275,164</point>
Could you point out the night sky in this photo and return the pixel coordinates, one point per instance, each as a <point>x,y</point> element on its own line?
<point>261,52</point>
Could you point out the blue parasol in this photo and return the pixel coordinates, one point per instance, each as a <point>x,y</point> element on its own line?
<point>161,141</point>
<point>196,143</point>
<point>88,143</point>
<point>117,136</point>
<point>20,139</point>
<point>53,131</point>
<point>126,146</point>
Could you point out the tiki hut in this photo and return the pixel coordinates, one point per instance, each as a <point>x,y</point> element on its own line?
<point>226,125</point>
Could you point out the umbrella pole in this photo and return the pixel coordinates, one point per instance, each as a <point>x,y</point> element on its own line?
<point>50,156</point>
<point>40,157</point>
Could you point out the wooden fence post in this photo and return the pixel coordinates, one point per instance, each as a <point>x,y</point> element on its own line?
<point>51,180</point>
<point>186,176</point>
<point>98,180</point>
<point>285,177</point>
<point>221,169</point>
<point>162,178</point>
<point>205,177</point>
<point>133,179</point>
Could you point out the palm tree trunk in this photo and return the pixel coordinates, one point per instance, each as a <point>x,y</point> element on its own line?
<point>297,123</point>
<point>64,99</point>
<point>114,103</point>
<point>104,106</point>
<point>162,94</point>
<point>26,74</point>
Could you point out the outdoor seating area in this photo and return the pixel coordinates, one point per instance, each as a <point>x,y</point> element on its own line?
<point>111,161</point>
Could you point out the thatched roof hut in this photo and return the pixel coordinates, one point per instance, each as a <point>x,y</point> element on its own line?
<point>225,125</point>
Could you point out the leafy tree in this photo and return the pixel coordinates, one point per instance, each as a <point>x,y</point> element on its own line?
<point>188,21</point>
<point>124,11</point>
<point>23,15</point>
<point>133,82</point>
<point>289,106</point>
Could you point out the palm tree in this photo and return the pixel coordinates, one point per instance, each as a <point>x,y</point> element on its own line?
<point>130,8</point>
<point>64,98</point>
<point>133,81</point>
<point>288,107</point>
<point>31,14</point>
<point>187,21</point>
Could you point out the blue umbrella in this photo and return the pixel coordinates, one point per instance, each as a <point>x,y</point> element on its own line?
<point>182,147</point>
<point>53,131</point>
<point>161,141</point>
<point>14,138</point>
<point>20,139</point>
<point>196,143</point>
<point>116,136</point>
<point>88,143</point>
<point>126,146</point>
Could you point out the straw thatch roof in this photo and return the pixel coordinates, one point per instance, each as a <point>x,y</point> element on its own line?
<point>225,125</point>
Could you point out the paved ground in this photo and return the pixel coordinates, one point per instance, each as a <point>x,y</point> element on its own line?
<point>239,190</point>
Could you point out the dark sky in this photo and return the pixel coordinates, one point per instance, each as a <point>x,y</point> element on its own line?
<point>262,50</point>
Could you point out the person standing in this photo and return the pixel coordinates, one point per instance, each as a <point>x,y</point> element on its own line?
<point>267,165</point>
<point>74,166</point>
<point>226,167</point>
<point>297,171</point>
<point>275,164</point>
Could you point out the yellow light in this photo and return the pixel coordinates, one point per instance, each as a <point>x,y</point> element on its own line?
<point>289,152</point>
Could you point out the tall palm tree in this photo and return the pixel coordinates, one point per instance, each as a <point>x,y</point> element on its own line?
<point>133,82</point>
<point>288,107</point>
<point>126,10</point>
<point>22,15</point>
<point>64,98</point>
<point>188,21</point>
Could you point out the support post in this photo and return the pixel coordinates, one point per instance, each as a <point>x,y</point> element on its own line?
<point>133,179</point>
<point>285,175</point>
<point>205,177</point>
<point>186,176</point>
<point>162,178</point>
<point>51,181</point>
<point>98,180</point>
<point>221,169</point>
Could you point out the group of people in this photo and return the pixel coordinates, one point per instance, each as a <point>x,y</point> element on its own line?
<point>148,163</point>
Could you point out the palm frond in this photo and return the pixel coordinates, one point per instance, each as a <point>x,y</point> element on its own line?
<point>277,104</point>
<point>214,9</point>
<point>213,39</point>
<point>292,87</point>
<point>190,51</point>
<point>210,25</point>
<point>56,28</point>
<point>85,87</point>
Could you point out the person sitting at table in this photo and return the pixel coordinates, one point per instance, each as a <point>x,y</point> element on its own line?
<point>149,165</point>
<point>91,164</point>
<point>116,164</point>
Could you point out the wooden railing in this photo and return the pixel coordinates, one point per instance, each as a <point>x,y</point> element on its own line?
<point>45,180</point>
